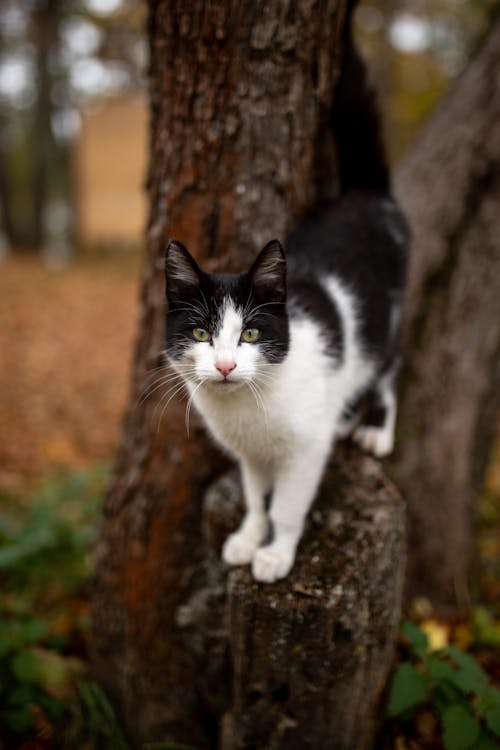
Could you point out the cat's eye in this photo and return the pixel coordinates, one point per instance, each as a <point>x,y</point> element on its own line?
<point>250,335</point>
<point>201,334</point>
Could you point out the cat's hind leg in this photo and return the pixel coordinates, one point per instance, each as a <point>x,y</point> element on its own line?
<point>375,434</point>
<point>239,547</point>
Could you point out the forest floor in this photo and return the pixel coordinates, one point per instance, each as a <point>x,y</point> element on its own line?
<point>66,340</point>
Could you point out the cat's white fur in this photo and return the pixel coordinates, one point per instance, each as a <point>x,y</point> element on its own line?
<point>280,421</point>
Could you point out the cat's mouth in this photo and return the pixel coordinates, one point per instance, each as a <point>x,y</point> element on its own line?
<point>226,385</point>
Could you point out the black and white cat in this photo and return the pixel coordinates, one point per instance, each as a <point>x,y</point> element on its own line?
<point>299,351</point>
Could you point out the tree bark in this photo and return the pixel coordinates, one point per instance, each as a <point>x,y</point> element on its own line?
<point>239,97</point>
<point>449,187</point>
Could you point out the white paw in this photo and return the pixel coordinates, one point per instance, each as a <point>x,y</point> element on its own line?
<point>239,548</point>
<point>272,563</point>
<point>376,440</point>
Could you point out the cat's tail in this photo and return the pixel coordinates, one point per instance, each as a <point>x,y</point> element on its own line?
<point>356,123</point>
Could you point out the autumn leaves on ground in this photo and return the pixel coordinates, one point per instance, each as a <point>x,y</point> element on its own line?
<point>66,339</point>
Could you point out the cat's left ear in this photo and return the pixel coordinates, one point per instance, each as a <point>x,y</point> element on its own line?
<point>268,273</point>
<point>183,275</point>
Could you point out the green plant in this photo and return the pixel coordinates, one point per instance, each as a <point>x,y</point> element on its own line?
<point>44,565</point>
<point>91,722</point>
<point>457,688</point>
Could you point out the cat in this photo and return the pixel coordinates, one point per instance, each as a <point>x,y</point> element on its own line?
<point>300,350</point>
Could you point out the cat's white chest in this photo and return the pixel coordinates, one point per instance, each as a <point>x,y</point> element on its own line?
<point>245,424</point>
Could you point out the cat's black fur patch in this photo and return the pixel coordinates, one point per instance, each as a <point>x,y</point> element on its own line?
<point>308,297</point>
<point>362,240</point>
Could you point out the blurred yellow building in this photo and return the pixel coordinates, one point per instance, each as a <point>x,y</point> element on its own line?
<point>110,173</point>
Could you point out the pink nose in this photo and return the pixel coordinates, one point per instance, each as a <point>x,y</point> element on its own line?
<point>225,367</point>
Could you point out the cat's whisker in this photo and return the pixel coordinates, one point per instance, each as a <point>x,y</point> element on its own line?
<point>205,303</point>
<point>151,370</point>
<point>259,401</point>
<point>169,388</point>
<point>246,306</point>
<point>153,387</point>
<point>176,391</point>
<point>190,403</point>
<point>147,390</point>
<point>270,377</point>
<point>263,304</point>
<point>190,306</point>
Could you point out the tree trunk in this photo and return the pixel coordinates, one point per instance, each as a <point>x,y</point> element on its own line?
<point>449,186</point>
<point>7,225</point>
<point>239,96</point>
<point>45,20</point>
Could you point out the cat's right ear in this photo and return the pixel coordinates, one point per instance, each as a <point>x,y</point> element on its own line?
<point>182,273</point>
<point>268,273</point>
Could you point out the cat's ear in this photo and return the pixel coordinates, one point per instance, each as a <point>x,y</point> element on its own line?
<point>268,273</point>
<point>182,273</point>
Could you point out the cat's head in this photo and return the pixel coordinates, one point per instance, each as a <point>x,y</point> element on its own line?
<point>226,330</point>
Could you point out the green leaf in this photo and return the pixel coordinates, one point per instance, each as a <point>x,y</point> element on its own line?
<point>460,729</point>
<point>55,671</point>
<point>24,666</point>
<point>486,629</point>
<point>492,718</point>
<point>408,689</point>
<point>100,714</point>
<point>485,742</point>
<point>468,679</point>
<point>15,635</point>
<point>490,701</point>
<point>419,641</point>
<point>440,670</point>
<point>34,542</point>
<point>466,661</point>
<point>470,676</point>
<point>448,692</point>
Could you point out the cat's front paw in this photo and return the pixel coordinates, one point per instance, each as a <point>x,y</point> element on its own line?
<point>272,563</point>
<point>239,548</point>
<point>376,440</point>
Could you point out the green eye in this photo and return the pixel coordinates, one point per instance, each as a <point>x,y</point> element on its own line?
<point>201,334</point>
<point>250,335</point>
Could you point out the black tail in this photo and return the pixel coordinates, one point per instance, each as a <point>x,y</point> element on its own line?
<point>356,123</point>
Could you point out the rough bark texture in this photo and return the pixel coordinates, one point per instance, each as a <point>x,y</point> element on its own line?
<point>449,186</point>
<point>239,92</point>
<point>309,656</point>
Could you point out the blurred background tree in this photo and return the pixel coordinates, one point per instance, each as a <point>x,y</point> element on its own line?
<point>415,49</point>
<point>58,58</point>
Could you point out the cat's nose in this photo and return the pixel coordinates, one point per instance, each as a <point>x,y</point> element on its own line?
<point>225,367</point>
